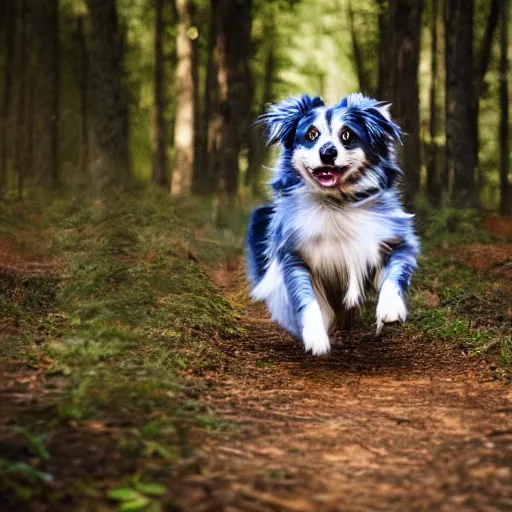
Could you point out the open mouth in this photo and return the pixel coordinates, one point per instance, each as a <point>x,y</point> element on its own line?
<point>328,176</point>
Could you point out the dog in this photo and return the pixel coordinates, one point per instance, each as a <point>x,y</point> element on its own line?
<point>335,224</point>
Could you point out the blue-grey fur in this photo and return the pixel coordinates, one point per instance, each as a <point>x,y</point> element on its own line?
<point>276,236</point>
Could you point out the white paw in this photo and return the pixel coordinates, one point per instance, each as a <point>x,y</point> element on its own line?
<point>391,307</point>
<point>314,334</point>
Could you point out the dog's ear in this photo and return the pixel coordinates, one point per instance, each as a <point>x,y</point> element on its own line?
<point>282,118</point>
<point>382,116</point>
<point>385,110</point>
<point>376,116</point>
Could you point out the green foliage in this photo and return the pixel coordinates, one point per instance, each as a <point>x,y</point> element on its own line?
<point>449,226</point>
<point>129,310</point>
<point>36,442</point>
<point>139,499</point>
<point>23,469</point>
<point>315,48</point>
<point>27,293</point>
<point>138,496</point>
<point>20,477</point>
<point>451,302</point>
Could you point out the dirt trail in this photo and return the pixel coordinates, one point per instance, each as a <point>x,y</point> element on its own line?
<point>395,423</point>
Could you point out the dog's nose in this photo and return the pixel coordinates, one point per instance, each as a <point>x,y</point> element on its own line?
<point>328,154</point>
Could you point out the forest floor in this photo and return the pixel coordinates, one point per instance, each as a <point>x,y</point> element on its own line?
<point>197,402</point>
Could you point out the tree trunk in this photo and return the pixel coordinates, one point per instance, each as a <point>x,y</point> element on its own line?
<point>185,110</point>
<point>198,118</point>
<point>238,24</point>
<point>484,60</point>
<point>385,16</point>
<point>400,43</point>
<point>202,183</point>
<point>359,59</point>
<point>505,199</point>
<point>485,52</point>
<point>160,166</point>
<point>30,117</point>
<point>5,137</point>
<point>215,86</point>
<point>44,30</point>
<point>460,102</point>
<point>109,106</point>
<point>230,118</point>
<point>84,96</point>
<point>434,183</point>
<point>19,158</point>
<point>55,60</point>
<point>257,150</point>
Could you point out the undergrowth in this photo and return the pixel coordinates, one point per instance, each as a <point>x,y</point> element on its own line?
<point>450,301</point>
<point>449,226</point>
<point>133,290</point>
<point>126,312</point>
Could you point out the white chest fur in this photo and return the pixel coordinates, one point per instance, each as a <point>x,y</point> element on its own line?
<point>342,243</point>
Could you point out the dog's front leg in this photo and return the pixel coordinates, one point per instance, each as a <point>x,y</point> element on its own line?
<point>305,305</point>
<point>394,281</point>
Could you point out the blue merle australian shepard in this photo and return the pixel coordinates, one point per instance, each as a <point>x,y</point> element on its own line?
<point>335,224</point>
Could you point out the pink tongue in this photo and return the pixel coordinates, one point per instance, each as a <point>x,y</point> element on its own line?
<point>325,177</point>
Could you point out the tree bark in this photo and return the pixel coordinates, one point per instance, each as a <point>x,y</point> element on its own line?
<point>230,115</point>
<point>5,137</point>
<point>485,52</point>
<point>400,44</point>
<point>198,118</point>
<point>212,117</point>
<point>185,109</point>
<point>460,101</point>
<point>19,158</point>
<point>30,117</point>
<point>434,184</point>
<point>202,182</point>
<point>43,17</point>
<point>110,162</point>
<point>83,82</point>
<point>363,75</point>
<point>384,19</point>
<point>160,164</point>
<point>505,199</point>
<point>256,138</point>
<point>484,61</point>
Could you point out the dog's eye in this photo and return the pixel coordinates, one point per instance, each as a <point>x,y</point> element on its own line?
<point>312,134</point>
<point>347,137</point>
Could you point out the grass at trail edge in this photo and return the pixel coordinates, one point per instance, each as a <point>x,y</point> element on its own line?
<point>123,310</point>
<point>105,307</point>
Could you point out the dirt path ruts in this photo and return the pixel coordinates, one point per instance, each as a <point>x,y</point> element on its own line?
<point>394,423</point>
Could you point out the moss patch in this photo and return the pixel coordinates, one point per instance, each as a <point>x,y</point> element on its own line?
<point>110,330</point>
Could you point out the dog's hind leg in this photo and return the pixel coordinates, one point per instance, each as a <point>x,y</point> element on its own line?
<point>256,243</point>
<point>306,309</point>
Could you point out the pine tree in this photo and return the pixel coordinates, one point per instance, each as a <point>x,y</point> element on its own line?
<point>185,108</point>
<point>460,101</point>
<point>108,100</point>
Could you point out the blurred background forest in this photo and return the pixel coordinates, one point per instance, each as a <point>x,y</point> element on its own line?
<point>135,373</point>
<point>96,94</point>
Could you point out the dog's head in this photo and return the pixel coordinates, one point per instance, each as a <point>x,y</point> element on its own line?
<point>346,150</point>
